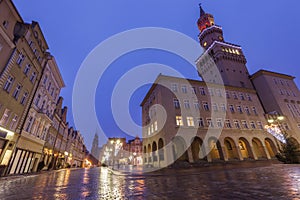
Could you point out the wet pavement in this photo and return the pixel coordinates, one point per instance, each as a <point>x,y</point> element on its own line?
<point>276,181</point>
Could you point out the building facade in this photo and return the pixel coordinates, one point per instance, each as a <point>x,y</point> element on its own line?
<point>33,126</point>
<point>282,99</point>
<point>218,118</point>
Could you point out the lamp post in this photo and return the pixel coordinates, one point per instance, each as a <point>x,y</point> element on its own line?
<point>274,127</point>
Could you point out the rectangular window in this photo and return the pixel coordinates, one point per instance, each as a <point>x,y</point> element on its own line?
<point>209,123</point>
<point>228,123</point>
<point>202,91</point>
<point>149,130</point>
<point>5,117</point>
<point>247,110</point>
<point>244,124</point>
<point>254,110</point>
<point>20,59</point>
<point>152,128</point>
<point>17,91</point>
<point>184,89</point>
<point>190,121</point>
<point>29,124</point>
<point>205,106</point>
<point>234,95</point>
<point>252,124</point>
<point>196,104</point>
<point>215,107</point>
<point>27,69</point>
<point>174,87</point>
<point>179,121</point>
<point>227,95</point>
<point>8,84</point>
<point>200,122</point>
<point>210,92</point>
<point>219,123</point>
<point>155,126</point>
<point>24,98</point>
<point>239,109</point>
<point>37,100</point>
<point>13,123</point>
<point>249,98</point>
<point>193,89</point>
<point>242,96</point>
<point>259,125</point>
<point>299,126</point>
<point>218,92</point>
<point>176,103</point>
<point>186,104</point>
<point>237,124</point>
<point>231,108</point>
<point>33,76</point>
<point>223,107</point>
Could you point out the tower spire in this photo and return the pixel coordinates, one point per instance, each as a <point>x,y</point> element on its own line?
<point>202,12</point>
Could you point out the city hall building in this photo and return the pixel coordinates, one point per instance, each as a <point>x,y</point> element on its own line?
<point>222,117</point>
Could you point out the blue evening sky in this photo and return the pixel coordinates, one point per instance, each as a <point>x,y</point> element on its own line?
<point>267,30</point>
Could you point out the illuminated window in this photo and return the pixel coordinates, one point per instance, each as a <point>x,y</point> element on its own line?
<point>205,44</point>
<point>179,121</point>
<point>237,52</point>
<point>5,117</point>
<point>190,121</point>
<point>13,123</point>
<point>155,126</point>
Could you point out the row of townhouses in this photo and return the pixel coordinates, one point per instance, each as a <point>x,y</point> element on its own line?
<point>229,115</point>
<point>34,132</point>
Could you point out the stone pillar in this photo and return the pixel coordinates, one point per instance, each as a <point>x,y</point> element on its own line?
<point>224,153</point>
<point>190,155</point>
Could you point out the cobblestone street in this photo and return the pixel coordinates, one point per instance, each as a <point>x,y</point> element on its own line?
<point>275,181</point>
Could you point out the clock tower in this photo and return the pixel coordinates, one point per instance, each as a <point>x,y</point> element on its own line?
<point>229,58</point>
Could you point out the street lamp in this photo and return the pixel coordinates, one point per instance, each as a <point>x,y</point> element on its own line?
<point>275,128</point>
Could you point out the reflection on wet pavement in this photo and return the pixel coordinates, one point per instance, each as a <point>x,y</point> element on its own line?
<point>268,182</point>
